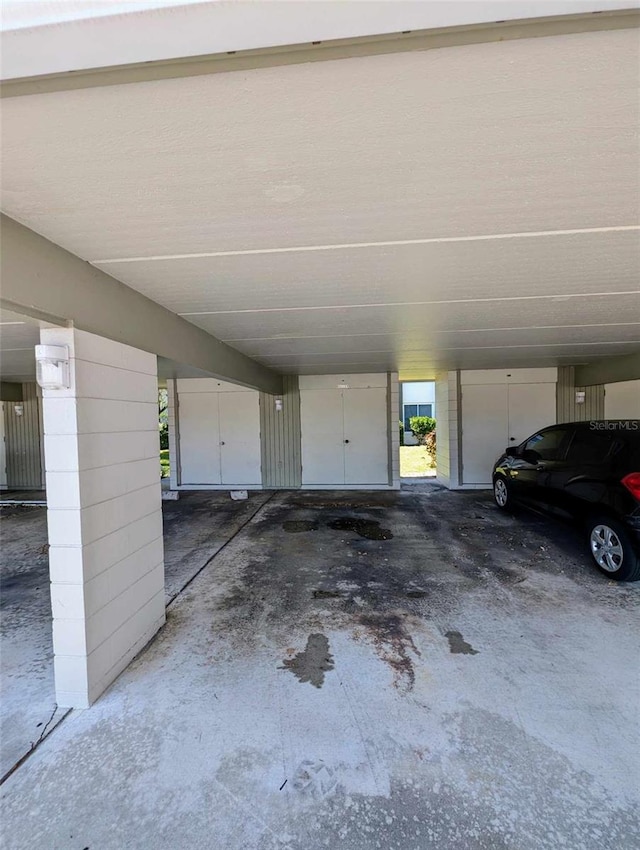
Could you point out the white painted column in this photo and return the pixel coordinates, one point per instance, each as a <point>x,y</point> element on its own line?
<point>104,512</point>
<point>394,431</point>
<point>448,429</point>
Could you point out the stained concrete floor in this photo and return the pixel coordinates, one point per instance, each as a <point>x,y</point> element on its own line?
<point>194,530</point>
<point>360,671</point>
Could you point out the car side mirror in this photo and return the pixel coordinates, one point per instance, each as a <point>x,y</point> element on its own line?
<point>530,456</point>
<point>511,451</point>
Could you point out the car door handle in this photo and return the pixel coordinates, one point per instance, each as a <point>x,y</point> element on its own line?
<point>540,467</point>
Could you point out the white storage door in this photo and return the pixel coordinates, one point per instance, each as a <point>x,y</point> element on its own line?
<point>484,430</point>
<point>199,438</point>
<point>531,407</point>
<point>3,450</point>
<point>240,438</point>
<point>366,455</point>
<point>322,436</point>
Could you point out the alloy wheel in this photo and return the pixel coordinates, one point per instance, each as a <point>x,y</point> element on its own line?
<point>606,548</point>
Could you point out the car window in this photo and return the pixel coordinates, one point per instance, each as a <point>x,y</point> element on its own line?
<point>590,447</point>
<point>547,444</point>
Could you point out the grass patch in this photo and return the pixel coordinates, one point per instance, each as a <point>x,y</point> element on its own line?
<point>415,462</point>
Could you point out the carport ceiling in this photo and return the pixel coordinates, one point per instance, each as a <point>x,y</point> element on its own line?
<point>472,206</point>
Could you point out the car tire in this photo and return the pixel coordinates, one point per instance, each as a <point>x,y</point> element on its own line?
<point>502,493</point>
<point>612,549</point>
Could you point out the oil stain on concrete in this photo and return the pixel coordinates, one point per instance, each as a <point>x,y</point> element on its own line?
<point>311,664</point>
<point>298,526</point>
<point>367,528</point>
<point>393,644</point>
<point>458,645</point>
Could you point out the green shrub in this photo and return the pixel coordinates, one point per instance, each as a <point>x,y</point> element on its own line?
<point>164,435</point>
<point>430,446</point>
<point>421,426</point>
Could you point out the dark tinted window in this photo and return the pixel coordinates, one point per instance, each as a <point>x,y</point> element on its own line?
<point>590,447</point>
<point>548,444</point>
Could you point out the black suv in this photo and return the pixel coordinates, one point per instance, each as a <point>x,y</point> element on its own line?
<point>588,472</point>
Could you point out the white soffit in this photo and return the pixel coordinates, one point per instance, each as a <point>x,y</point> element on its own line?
<point>41,37</point>
<point>418,204</point>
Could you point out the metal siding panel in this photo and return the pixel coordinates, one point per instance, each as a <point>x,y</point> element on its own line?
<point>568,410</point>
<point>280,437</point>
<point>23,435</point>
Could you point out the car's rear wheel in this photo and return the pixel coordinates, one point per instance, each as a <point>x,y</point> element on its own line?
<point>612,549</point>
<point>501,493</point>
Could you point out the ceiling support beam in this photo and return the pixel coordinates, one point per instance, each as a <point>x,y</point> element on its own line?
<point>344,48</point>
<point>10,391</point>
<point>609,371</point>
<point>42,280</point>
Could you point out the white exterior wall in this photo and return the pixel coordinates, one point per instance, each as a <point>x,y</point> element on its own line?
<point>622,400</point>
<point>419,392</point>
<point>104,512</point>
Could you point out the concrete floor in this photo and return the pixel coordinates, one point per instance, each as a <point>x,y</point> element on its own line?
<point>194,530</point>
<point>400,670</point>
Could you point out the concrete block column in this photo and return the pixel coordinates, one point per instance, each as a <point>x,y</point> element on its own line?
<point>104,512</point>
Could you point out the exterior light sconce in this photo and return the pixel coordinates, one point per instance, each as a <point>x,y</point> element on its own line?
<point>580,396</point>
<point>279,405</point>
<point>18,409</point>
<point>52,367</point>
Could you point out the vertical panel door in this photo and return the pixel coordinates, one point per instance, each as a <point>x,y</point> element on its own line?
<point>531,407</point>
<point>3,450</point>
<point>240,438</point>
<point>322,436</point>
<point>484,430</point>
<point>199,438</point>
<point>366,444</point>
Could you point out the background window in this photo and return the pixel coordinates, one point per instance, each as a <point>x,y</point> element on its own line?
<point>416,410</point>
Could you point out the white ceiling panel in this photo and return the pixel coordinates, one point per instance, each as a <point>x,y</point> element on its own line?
<point>585,337</point>
<point>405,319</point>
<point>379,275</point>
<point>535,134</point>
<point>514,165</point>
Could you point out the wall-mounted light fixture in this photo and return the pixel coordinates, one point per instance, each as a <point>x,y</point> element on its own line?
<point>52,366</point>
<point>580,396</point>
<point>279,404</point>
<point>18,409</point>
